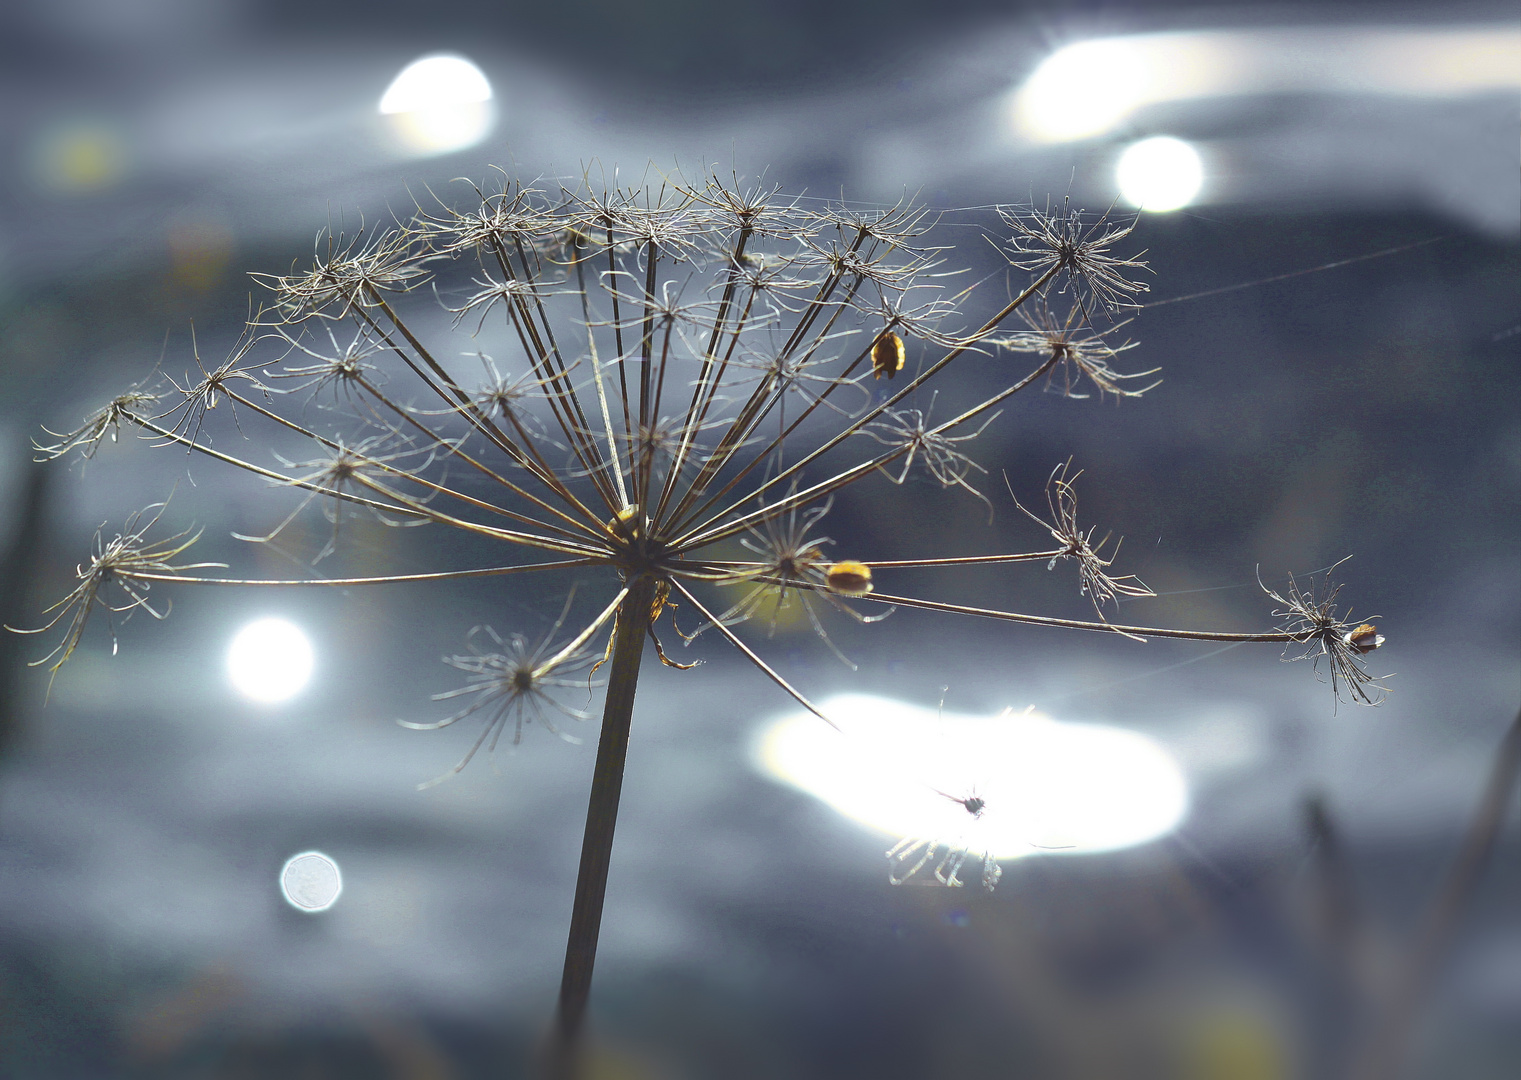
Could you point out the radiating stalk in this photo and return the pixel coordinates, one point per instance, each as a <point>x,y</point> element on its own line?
<point>601,818</point>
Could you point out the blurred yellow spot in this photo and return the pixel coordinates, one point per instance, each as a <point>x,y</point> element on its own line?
<point>200,249</point>
<point>1235,1045</point>
<point>777,612</point>
<point>79,158</point>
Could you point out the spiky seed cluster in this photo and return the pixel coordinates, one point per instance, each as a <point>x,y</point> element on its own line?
<point>513,682</point>
<point>350,271</point>
<point>117,563</point>
<point>792,568</point>
<point>1094,580</point>
<point>909,430</point>
<point>624,425</point>
<point>105,422</point>
<point>1081,247</point>
<point>1080,351</point>
<point>1309,617</point>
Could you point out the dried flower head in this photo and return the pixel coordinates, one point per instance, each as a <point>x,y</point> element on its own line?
<point>198,396</point>
<point>636,440</point>
<point>1094,580</point>
<point>116,563</point>
<point>1309,618</point>
<point>792,569</point>
<point>909,430</point>
<point>350,272</point>
<point>1081,352</point>
<point>632,432</point>
<point>1079,248</point>
<point>128,407</point>
<point>515,681</point>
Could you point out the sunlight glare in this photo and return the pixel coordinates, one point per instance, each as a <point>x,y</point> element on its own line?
<point>1089,88</point>
<point>269,660</point>
<point>898,768</point>
<point>1082,90</point>
<point>1159,174</point>
<point>311,882</point>
<point>437,104</point>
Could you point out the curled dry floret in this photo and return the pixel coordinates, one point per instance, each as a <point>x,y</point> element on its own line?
<point>110,580</point>
<point>1079,249</point>
<point>105,422</point>
<point>515,681</point>
<point>1078,545</point>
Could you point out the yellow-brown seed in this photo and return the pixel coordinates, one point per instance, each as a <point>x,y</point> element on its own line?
<point>625,525</point>
<point>887,355</point>
<point>849,578</point>
<point>1364,639</point>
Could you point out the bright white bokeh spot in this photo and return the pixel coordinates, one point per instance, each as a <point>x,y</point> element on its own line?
<point>1047,785</point>
<point>310,881</point>
<point>269,660</point>
<point>1159,174</point>
<point>437,104</point>
<point>1089,88</point>
<point>1081,90</point>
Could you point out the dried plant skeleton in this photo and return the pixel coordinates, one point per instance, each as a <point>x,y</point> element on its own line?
<point>674,371</point>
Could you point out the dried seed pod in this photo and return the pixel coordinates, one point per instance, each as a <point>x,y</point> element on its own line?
<point>1364,639</point>
<point>887,354</point>
<point>849,578</point>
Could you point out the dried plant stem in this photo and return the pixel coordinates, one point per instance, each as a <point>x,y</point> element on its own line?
<point>391,579</point>
<point>1388,1037</point>
<point>1075,624</point>
<point>601,819</point>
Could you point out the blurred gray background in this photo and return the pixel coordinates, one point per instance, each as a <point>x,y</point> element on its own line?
<point>155,150</point>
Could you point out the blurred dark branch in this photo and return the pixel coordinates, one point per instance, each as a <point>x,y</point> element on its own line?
<point>1386,1045</point>
<point>18,570</point>
<point>1340,925</point>
<point>1337,913</point>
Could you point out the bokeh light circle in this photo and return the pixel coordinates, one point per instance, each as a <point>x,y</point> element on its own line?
<point>437,104</point>
<point>270,660</point>
<point>1160,174</point>
<point>311,881</point>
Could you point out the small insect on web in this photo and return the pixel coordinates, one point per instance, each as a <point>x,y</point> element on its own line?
<point>947,853</point>
<point>952,853</point>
